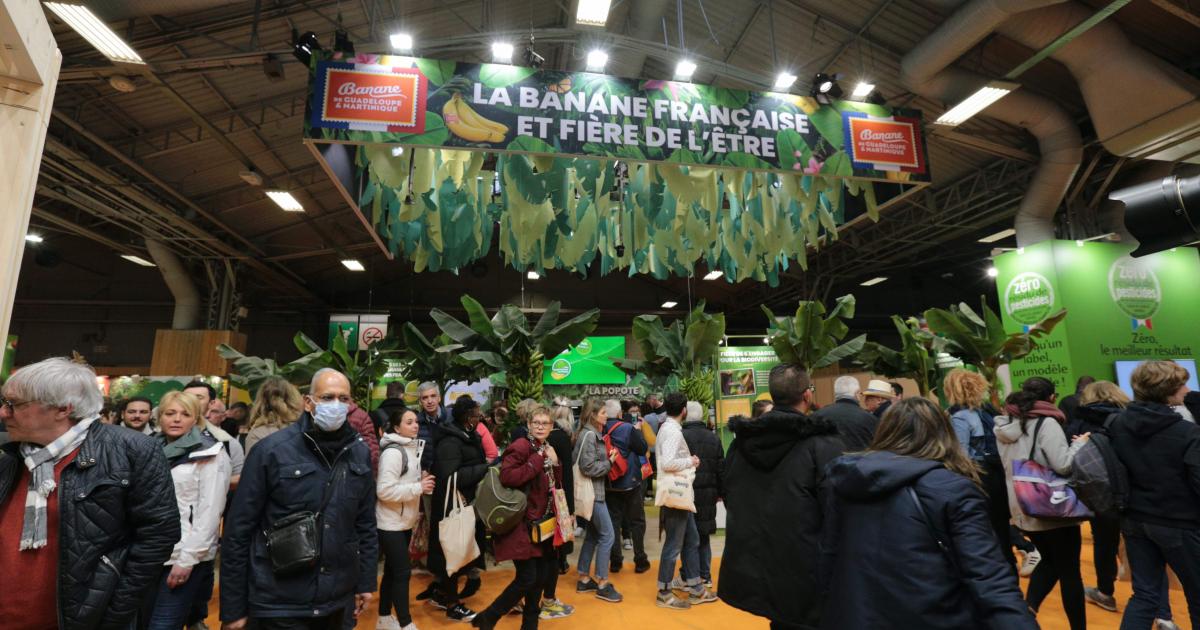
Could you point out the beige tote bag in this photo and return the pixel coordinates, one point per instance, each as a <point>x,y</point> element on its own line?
<point>456,530</point>
<point>585,492</point>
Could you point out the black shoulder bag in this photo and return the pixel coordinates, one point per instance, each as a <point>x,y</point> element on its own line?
<point>294,541</point>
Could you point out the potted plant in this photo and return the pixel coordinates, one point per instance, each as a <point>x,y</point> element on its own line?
<point>916,358</point>
<point>680,355</point>
<point>809,338</point>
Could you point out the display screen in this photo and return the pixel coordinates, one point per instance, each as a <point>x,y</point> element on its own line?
<point>1125,372</point>
<point>589,363</point>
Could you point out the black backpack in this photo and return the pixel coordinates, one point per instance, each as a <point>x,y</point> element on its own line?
<point>1099,478</point>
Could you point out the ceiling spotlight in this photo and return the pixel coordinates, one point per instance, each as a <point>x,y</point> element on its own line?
<point>873,281</point>
<point>342,43</point>
<point>285,200</point>
<point>592,12</point>
<point>713,275</point>
<point>138,260</point>
<point>596,60</point>
<point>669,304</point>
<point>862,90</point>
<point>502,52</point>
<point>784,81</point>
<point>532,275</point>
<point>402,42</point>
<point>34,238</point>
<point>976,103</point>
<point>998,236</point>
<point>826,86</point>
<point>304,46</point>
<point>992,272</point>
<point>684,69</point>
<point>95,31</point>
<point>353,265</point>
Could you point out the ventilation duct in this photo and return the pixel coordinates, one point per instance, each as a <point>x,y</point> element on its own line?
<point>1160,119</point>
<point>175,275</point>
<point>925,70</point>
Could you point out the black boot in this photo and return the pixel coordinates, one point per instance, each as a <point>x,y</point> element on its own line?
<point>472,586</point>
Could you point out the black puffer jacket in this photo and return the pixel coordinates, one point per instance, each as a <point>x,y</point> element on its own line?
<point>1090,419</point>
<point>288,474</point>
<point>1161,451</point>
<point>707,487</point>
<point>881,565</point>
<point>773,474</point>
<point>119,495</point>
<point>461,452</point>
<point>855,424</point>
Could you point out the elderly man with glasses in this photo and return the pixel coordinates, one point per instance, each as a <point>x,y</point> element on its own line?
<point>87,510</point>
<point>309,489</point>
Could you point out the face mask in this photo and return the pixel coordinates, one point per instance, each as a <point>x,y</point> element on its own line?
<point>330,416</point>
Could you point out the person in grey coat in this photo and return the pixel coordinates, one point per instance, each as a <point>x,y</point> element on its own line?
<point>594,462</point>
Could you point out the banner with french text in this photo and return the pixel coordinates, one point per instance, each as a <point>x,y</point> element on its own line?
<point>374,99</point>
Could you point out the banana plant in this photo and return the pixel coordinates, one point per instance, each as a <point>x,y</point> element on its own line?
<point>916,358</point>
<point>506,343</point>
<point>981,340</point>
<point>363,368</point>
<point>680,355</point>
<point>809,338</point>
<point>434,361</point>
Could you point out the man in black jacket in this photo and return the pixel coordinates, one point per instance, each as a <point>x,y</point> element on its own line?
<point>706,487</point>
<point>87,561</point>
<point>320,465</point>
<point>1161,524</point>
<point>857,427</point>
<point>772,478</point>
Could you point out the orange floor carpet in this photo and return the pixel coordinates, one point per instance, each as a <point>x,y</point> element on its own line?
<point>638,609</point>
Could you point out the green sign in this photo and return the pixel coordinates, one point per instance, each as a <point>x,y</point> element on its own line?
<point>589,363</point>
<point>1118,308</point>
<point>430,102</point>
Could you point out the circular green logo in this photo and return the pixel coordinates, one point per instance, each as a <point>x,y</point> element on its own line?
<point>1028,298</point>
<point>1134,287</point>
<point>560,369</point>
<point>584,347</point>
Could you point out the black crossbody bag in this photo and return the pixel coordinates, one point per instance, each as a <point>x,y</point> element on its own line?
<point>294,541</point>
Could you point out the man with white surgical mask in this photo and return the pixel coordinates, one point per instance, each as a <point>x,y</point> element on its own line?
<point>315,474</point>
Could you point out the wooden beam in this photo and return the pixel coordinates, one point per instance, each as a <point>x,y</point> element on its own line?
<point>1178,11</point>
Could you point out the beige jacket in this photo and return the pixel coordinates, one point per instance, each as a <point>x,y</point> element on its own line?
<point>1014,439</point>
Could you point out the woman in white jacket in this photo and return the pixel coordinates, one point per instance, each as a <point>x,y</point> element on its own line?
<point>1031,415</point>
<point>399,487</point>
<point>201,470</point>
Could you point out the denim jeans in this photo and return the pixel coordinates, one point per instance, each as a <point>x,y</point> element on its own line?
<point>172,605</point>
<point>1151,548</point>
<point>682,541</point>
<point>705,554</point>
<point>598,543</point>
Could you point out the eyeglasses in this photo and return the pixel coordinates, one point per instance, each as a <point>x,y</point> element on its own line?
<point>541,424</point>
<point>13,405</point>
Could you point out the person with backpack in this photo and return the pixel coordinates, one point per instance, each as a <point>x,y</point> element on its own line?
<point>1032,429</point>
<point>623,497</point>
<point>906,541</point>
<point>1161,522</point>
<point>531,464</point>
<point>398,491</point>
<point>594,462</point>
<point>975,429</point>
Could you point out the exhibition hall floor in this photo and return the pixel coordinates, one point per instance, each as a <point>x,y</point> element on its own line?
<point>638,609</point>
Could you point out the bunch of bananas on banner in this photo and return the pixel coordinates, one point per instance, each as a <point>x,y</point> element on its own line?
<point>466,123</point>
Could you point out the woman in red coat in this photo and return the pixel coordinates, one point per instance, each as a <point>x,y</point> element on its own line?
<point>527,463</point>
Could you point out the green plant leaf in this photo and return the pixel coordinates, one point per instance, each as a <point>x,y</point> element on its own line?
<point>495,75</point>
<point>828,122</point>
<point>490,358</point>
<point>845,351</point>
<point>435,133</point>
<point>453,328</point>
<point>569,333</point>
<point>477,316</point>
<point>437,72</point>
<point>529,144</point>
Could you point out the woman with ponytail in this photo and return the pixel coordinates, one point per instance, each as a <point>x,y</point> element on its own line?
<point>1030,415</point>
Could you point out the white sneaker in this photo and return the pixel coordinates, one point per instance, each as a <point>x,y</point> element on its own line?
<point>387,622</point>
<point>1163,624</point>
<point>628,544</point>
<point>1031,561</point>
<point>410,626</point>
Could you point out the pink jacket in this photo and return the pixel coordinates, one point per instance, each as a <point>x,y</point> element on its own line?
<point>361,421</point>
<point>489,443</point>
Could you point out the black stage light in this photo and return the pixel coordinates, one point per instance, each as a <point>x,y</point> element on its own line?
<point>826,85</point>
<point>304,46</point>
<point>1162,214</point>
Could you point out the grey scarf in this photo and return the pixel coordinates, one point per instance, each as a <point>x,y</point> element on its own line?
<point>40,462</point>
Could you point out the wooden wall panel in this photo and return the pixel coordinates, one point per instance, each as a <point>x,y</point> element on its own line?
<point>189,352</point>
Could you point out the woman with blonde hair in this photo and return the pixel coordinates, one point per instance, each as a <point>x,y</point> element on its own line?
<point>912,503</point>
<point>278,404</point>
<point>594,462</point>
<point>201,471</point>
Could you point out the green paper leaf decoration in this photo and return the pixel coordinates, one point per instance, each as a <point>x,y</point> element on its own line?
<point>438,72</point>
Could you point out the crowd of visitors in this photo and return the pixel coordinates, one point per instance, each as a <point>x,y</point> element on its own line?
<point>875,511</point>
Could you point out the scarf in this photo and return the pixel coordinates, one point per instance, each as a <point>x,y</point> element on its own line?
<point>182,445</point>
<point>40,462</point>
<point>1041,409</point>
